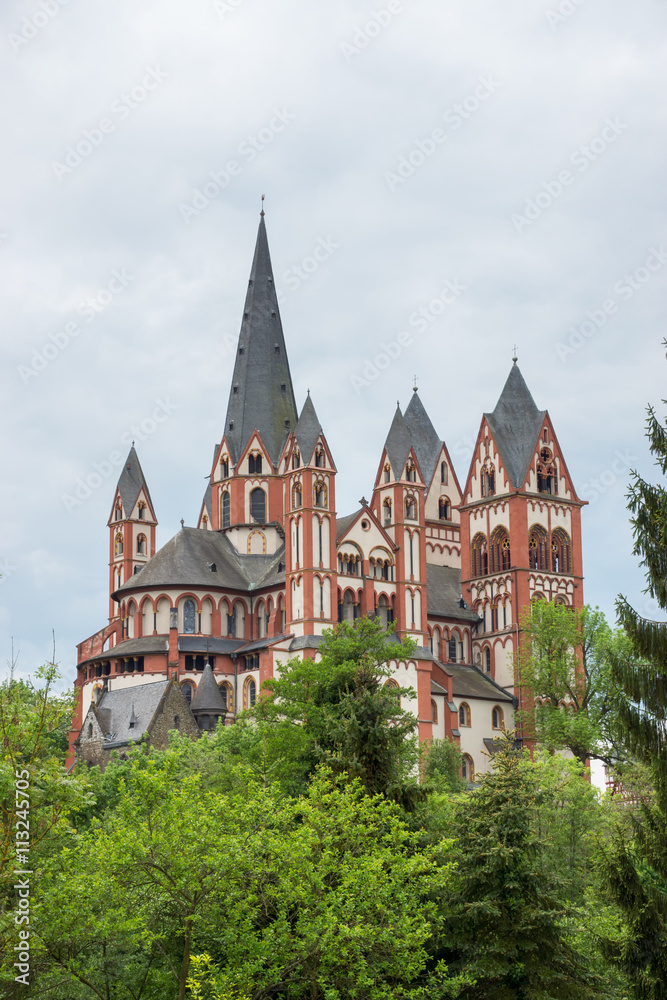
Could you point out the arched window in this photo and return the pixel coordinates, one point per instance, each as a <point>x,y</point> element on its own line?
<point>177,722</point>
<point>258,505</point>
<point>119,511</point>
<point>480,556</point>
<point>434,711</point>
<point>561,551</point>
<point>487,659</point>
<point>467,768</point>
<point>296,459</point>
<point>254,464</point>
<point>386,508</point>
<point>444,473</point>
<point>444,509</point>
<point>500,550</point>
<point>410,473</point>
<point>488,478</point>
<point>226,509</point>
<point>547,479</point>
<point>391,683</point>
<point>320,494</point>
<point>319,457</point>
<point>189,616</point>
<point>141,545</point>
<point>249,692</point>
<point>227,692</point>
<point>387,473</point>
<point>297,499</point>
<point>464,714</point>
<point>90,730</point>
<point>497,717</point>
<point>118,546</point>
<point>384,612</point>
<point>141,510</point>
<point>537,548</point>
<point>188,690</point>
<point>451,650</point>
<point>224,467</point>
<point>410,509</point>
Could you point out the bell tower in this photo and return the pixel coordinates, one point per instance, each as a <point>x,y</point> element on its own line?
<point>132,528</point>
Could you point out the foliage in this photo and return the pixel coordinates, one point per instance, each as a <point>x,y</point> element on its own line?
<point>340,711</point>
<point>507,915</point>
<point>441,766</point>
<point>566,661</point>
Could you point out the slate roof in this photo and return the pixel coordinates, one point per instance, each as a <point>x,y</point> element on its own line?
<point>135,647</point>
<point>207,697</point>
<point>256,400</point>
<point>187,558</point>
<point>425,440</point>
<point>515,424</point>
<point>115,709</point>
<point>343,523</point>
<point>208,644</point>
<point>307,430</point>
<point>470,682</point>
<point>444,593</point>
<point>207,502</point>
<point>398,443</point>
<point>131,482</point>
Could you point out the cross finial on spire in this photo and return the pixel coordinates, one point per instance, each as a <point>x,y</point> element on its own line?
<point>515,358</point>
<point>414,388</point>
<point>262,212</point>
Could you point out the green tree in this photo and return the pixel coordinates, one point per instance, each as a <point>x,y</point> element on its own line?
<point>342,713</point>
<point>636,869</point>
<point>566,662</point>
<point>506,921</point>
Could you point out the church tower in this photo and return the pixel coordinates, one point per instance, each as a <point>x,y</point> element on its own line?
<point>310,527</point>
<point>520,529</point>
<point>245,498</point>
<point>132,528</point>
<point>398,504</point>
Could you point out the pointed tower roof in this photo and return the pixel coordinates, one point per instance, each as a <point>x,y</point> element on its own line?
<point>207,697</point>
<point>398,443</point>
<point>261,396</point>
<point>515,424</point>
<point>132,482</point>
<point>424,437</point>
<point>307,430</point>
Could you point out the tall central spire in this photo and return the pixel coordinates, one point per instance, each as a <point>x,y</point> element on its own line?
<point>261,397</point>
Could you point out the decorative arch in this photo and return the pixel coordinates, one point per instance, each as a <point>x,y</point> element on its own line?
<point>464,714</point>
<point>500,549</point>
<point>537,548</point>
<point>249,692</point>
<point>258,504</point>
<point>561,551</point>
<point>227,692</point>
<point>479,555</point>
<point>257,543</point>
<point>467,768</point>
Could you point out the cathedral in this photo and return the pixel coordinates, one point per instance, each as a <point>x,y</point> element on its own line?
<point>195,628</point>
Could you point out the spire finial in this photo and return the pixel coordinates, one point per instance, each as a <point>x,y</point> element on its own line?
<point>414,388</point>
<point>515,358</point>
<point>182,523</point>
<point>133,444</point>
<point>262,212</point>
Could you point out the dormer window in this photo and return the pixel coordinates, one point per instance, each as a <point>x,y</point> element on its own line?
<point>255,464</point>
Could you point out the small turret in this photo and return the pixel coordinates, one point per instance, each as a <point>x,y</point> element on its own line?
<point>132,528</point>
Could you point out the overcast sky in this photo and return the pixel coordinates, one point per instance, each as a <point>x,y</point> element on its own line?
<point>474,175</point>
